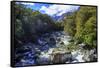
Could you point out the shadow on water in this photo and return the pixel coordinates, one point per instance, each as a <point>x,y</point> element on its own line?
<point>28,54</point>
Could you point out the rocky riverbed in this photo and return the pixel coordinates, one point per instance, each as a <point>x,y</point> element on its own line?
<point>51,48</point>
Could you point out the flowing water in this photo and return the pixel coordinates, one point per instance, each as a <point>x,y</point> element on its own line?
<point>44,51</point>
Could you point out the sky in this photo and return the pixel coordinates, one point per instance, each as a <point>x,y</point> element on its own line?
<point>51,9</point>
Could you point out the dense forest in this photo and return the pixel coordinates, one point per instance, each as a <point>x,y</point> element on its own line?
<point>81,25</point>
<point>31,26</point>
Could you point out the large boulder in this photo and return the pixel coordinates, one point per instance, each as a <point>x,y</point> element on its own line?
<point>62,57</point>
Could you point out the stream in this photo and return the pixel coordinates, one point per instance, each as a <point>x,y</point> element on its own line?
<point>49,50</point>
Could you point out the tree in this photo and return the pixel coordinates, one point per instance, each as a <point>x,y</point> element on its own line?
<point>69,24</point>
<point>86,25</point>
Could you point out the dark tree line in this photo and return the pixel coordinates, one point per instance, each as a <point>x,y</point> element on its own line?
<point>29,24</point>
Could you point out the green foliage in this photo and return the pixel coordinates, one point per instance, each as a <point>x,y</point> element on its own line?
<point>81,25</point>
<point>90,31</point>
<point>19,31</point>
<point>86,25</point>
<point>69,26</point>
<point>72,46</point>
<point>59,25</point>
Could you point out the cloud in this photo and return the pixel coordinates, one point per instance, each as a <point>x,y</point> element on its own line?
<point>49,10</point>
<point>25,3</point>
<point>58,10</point>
